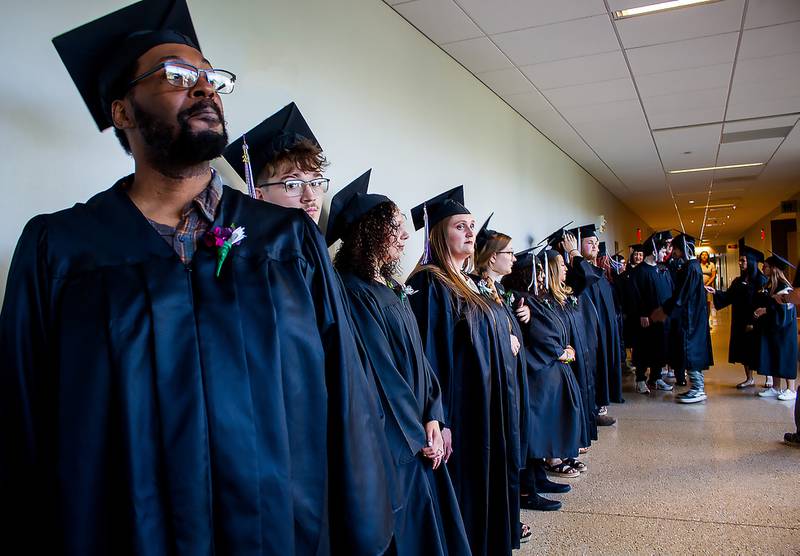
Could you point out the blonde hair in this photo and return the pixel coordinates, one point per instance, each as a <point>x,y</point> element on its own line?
<point>558,288</point>
<point>440,267</point>
<point>777,280</point>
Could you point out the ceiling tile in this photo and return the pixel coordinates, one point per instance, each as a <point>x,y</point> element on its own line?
<point>529,103</point>
<point>754,100</point>
<point>576,71</point>
<point>592,93</point>
<point>681,81</point>
<point>760,123</point>
<point>686,109</point>
<point>499,16</point>
<point>570,39</point>
<point>770,41</point>
<point>676,25</point>
<point>771,12</point>
<point>506,81</point>
<point>610,112</point>
<point>692,53</point>
<point>478,55</point>
<point>700,142</point>
<point>747,151</point>
<point>442,21</point>
<point>769,69</point>
<point>784,165</point>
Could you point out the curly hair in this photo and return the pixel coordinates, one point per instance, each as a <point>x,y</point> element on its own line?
<point>305,155</point>
<point>366,244</point>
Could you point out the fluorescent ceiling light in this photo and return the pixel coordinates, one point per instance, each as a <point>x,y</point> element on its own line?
<point>659,7</point>
<point>728,167</point>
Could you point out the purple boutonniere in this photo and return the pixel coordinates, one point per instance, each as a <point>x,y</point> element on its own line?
<point>223,239</point>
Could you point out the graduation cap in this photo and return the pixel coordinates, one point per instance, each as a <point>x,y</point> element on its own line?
<point>777,261</point>
<point>483,235</point>
<point>556,237</point>
<point>751,253</point>
<point>636,247</point>
<point>349,205</point>
<point>279,133</point>
<point>97,53</point>
<point>653,244</point>
<point>446,204</point>
<point>589,230</point>
<point>685,242</point>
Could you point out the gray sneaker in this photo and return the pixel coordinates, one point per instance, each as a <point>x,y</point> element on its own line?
<point>692,396</point>
<point>661,385</point>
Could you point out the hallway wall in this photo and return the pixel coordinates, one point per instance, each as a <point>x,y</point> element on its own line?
<point>376,92</point>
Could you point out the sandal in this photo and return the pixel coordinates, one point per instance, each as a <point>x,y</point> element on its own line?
<point>582,451</point>
<point>576,464</point>
<point>562,469</point>
<point>525,532</point>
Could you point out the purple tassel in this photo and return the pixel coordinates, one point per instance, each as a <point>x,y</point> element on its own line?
<point>426,253</point>
<point>248,170</point>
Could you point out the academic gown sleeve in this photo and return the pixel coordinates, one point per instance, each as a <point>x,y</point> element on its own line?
<point>723,298</point>
<point>434,312</point>
<point>360,490</point>
<point>542,340</point>
<point>398,399</point>
<point>26,408</point>
<point>581,275</point>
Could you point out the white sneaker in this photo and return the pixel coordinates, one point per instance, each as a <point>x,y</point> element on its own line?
<point>769,393</point>
<point>661,385</point>
<point>787,395</point>
<point>641,387</point>
<point>692,396</point>
<point>746,384</point>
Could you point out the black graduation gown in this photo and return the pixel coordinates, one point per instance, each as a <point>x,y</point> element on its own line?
<point>743,346</point>
<point>690,337</point>
<point>776,336</point>
<point>467,354</point>
<point>554,396</point>
<point>429,521</point>
<point>149,407</point>
<point>652,286</point>
<point>623,289</point>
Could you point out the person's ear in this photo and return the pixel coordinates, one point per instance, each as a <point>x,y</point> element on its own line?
<point>259,194</point>
<point>122,114</point>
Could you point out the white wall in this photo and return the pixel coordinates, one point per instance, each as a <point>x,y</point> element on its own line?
<point>376,92</point>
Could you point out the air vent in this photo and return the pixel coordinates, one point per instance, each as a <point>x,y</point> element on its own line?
<point>756,134</point>
<point>789,206</point>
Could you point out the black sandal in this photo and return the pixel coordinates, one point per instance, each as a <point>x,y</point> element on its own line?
<point>577,465</point>
<point>562,469</point>
<point>525,532</point>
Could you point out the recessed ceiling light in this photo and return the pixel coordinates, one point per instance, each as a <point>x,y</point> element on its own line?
<point>659,7</point>
<point>691,201</point>
<point>728,167</point>
<point>692,221</point>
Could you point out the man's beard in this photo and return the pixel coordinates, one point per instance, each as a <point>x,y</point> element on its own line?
<point>178,155</point>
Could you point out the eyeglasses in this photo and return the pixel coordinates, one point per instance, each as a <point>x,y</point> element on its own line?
<point>185,76</point>
<point>295,188</point>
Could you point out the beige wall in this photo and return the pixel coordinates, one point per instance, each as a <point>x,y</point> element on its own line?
<point>376,92</point>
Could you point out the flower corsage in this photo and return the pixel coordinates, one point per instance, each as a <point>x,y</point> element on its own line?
<point>224,239</point>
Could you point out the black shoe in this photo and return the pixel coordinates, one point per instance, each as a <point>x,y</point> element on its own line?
<point>546,485</point>
<point>605,420</point>
<point>536,502</point>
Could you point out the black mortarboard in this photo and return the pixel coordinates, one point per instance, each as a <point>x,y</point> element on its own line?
<point>777,261</point>
<point>556,237</point>
<point>653,244</point>
<point>351,204</point>
<point>751,253</point>
<point>686,243</point>
<point>524,259</point>
<point>637,247</point>
<point>581,232</point>
<point>483,235</point>
<point>97,53</point>
<point>278,133</point>
<point>445,204</point>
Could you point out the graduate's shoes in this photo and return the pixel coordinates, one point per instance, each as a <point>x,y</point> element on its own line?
<point>539,503</point>
<point>549,487</point>
<point>746,384</point>
<point>605,420</point>
<point>641,387</point>
<point>787,395</point>
<point>792,438</point>
<point>692,396</point>
<point>663,386</point>
<point>769,392</point>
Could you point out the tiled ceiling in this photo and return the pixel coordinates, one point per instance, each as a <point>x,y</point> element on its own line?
<point>632,99</point>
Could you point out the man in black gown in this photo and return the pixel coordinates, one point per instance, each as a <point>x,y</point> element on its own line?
<point>157,397</point>
<point>687,310</point>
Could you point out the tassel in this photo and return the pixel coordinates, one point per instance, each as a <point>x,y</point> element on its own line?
<point>546,272</point>
<point>426,253</point>
<point>534,281</point>
<point>248,170</point>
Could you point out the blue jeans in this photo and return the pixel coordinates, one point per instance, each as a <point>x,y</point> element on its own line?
<point>697,381</point>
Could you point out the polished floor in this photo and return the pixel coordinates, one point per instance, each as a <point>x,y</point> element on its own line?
<point>708,478</point>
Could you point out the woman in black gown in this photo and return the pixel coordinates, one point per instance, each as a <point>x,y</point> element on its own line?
<point>743,346</point>
<point>467,346</point>
<point>554,398</point>
<point>373,235</point>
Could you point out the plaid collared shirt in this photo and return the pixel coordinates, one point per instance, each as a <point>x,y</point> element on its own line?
<point>196,218</point>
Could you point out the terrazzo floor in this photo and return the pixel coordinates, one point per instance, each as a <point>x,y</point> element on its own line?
<point>708,478</point>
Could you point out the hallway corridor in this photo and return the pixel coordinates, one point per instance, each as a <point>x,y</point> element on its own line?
<point>709,478</point>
